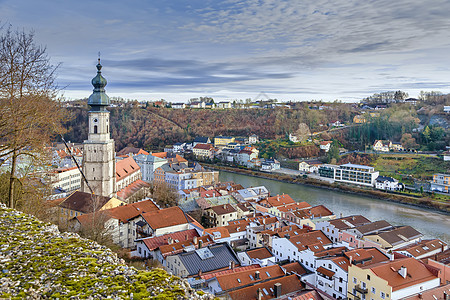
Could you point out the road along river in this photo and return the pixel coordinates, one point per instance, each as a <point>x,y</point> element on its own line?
<point>431,223</point>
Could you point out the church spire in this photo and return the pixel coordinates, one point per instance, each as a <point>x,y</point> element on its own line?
<point>99,100</point>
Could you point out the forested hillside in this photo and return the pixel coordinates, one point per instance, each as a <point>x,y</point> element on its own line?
<point>153,128</point>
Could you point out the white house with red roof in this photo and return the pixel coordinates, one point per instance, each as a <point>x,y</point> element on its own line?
<point>325,145</point>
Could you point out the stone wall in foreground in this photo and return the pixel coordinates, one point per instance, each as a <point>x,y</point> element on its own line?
<point>39,262</point>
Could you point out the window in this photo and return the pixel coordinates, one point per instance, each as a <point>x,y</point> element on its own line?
<point>374,290</point>
<point>383,295</point>
<point>95,128</point>
<point>368,277</point>
<point>355,280</point>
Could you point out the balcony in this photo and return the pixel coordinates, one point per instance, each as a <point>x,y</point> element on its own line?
<point>360,289</point>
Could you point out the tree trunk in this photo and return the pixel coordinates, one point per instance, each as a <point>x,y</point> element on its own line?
<point>12,179</point>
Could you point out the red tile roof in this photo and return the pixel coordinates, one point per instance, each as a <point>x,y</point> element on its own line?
<point>223,231</point>
<point>294,267</point>
<point>132,188</point>
<point>125,168</point>
<point>241,279</point>
<point>204,146</point>
<point>325,272</point>
<point>157,241</point>
<point>259,253</point>
<point>223,209</point>
<point>175,248</point>
<point>167,217</point>
<point>417,273</point>
<point>289,284</point>
<point>423,247</point>
<point>280,200</point>
<point>229,271</point>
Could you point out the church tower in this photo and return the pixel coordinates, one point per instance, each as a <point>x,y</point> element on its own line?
<point>98,150</point>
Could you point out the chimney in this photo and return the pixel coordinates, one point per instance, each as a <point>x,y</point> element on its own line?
<point>277,290</point>
<point>402,271</point>
<point>257,275</point>
<point>169,240</point>
<point>350,259</point>
<point>233,265</point>
<point>199,272</point>
<point>259,294</point>
<point>195,240</point>
<point>287,236</point>
<point>200,244</point>
<point>186,237</point>
<point>264,221</point>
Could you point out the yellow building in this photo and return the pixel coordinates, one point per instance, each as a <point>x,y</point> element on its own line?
<point>389,280</point>
<point>222,141</point>
<point>359,119</point>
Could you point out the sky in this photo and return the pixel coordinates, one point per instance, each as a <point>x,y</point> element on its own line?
<point>281,49</point>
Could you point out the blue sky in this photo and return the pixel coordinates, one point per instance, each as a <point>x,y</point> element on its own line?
<point>288,49</point>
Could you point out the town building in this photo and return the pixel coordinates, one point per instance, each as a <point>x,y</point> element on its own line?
<point>387,183</point>
<point>222,141</point>
<point>65,179</point>
<point>98,150</point>
<point>395,279</point>
<point>203,151</point>
<point>382,146</point>
<point>395,238</point>
<point>350,173</point>
<point>423,248</point>
<point>148,164</point>
<point>219,215</point>
<point>196,262</point>
<point>440,183</point>
<point>325,145</point>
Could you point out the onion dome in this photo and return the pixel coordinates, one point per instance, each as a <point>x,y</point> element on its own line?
<point>99,100</point>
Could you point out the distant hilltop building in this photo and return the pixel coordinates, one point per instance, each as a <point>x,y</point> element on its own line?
<point>98,150</point>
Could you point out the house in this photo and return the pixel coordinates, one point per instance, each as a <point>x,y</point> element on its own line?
<point>309,166</point>
<point>423,248</point>
<point>446,156</point>
<point>447,109</point>
<point>222,284</point>
<point>202,260</point>
<point>162,221</point>
<point>382,146</point>
<point>293,138</point>
<point>265,204</point>
<point>359,119</point>
<point>387,183</point>
<point>224,105</point>
<point>390,279</point>
<point>253,139</point>
<point>270,289</point>
<point>148,164</point>
<point>270,165</point>
<point>201,140</point>
<point>160,173</point>
<point>440,183</point>
<point>219,215</point>
<point>245,156</point>
<point>79,203</point>
<point>301,247</point>
<point>261,256</point>
<point>128,178</point>
<point>325,145</point>
<point>203,151</point>
<point>331,274</point>
<point>369,228</point>
<point>252,193</point>
<point>397,147</point>
<point>197,104</point>
<point>146,247</point>
<point>222,141</point>
<point>116,221</point>
<point>332,228</point>
<point>178,105</point>
<point>395,238</point>
<point>336,123</point>
<point>66,179</point>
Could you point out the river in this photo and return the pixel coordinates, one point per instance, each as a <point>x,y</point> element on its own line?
<point>429,222</point>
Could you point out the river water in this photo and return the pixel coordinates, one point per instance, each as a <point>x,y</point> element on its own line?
<point>429,222</point>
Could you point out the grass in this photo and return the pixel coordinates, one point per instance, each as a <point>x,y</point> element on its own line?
<point>405,166</point>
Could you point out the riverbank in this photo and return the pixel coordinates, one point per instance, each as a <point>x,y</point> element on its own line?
<point>423,202</point>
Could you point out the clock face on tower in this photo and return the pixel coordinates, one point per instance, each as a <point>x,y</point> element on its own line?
<point>95,120</point>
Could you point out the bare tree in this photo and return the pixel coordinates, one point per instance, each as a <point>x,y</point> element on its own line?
<point>164,194</point>
<point>29,111</point>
